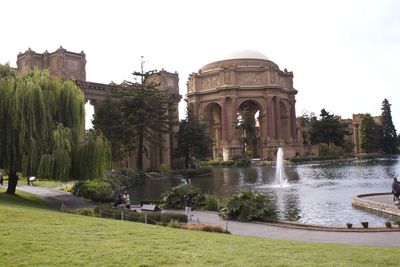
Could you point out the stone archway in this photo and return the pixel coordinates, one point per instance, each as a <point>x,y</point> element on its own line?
<point>250,114</point>
<point>249,80</point>
<point>212,115</point>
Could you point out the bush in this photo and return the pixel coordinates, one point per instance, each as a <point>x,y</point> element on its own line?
<point>248,206</point>
<point>227,163</point>
<point>86,212</point>
<point>174,224</point>
<point>242,163</point>
<point>175,197</point>
<point>163,168</point>
<point>205,228</point>
<point>364,224</point>
<point>98,191</point>
<point>130,215</point>
<point>211,202</point>
<point>349,225</point>
<point>332,151</point>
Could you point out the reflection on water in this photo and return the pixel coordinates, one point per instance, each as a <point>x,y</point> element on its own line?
<point>316,193</point>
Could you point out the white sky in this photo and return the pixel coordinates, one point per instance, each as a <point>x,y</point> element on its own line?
<point>345,55</point>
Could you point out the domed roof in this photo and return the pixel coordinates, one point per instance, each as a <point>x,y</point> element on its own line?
<point>246,54</point>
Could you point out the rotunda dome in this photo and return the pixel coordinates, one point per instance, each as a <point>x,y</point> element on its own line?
<point>246,54</point>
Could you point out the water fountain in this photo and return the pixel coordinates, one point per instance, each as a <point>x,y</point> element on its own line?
<point>280,177</point>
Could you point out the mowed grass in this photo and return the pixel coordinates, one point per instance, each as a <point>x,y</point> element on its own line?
<point>31,234</point>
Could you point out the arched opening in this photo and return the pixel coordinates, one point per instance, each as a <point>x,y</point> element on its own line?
<point>213,118</point>
<point>249,127</point>
<point>89,115</point>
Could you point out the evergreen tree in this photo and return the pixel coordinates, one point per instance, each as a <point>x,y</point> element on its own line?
<point>41,125</point>
<point>144,113</point>
<point>389,135</point>
<point>193,139</point>
<point>328,130</point>
<point>108,119</point>
<point>370,136</point>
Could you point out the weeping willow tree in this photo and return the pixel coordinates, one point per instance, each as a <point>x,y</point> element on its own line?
<point>41,125</point>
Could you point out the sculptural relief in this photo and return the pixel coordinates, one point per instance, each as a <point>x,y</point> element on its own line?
<point>249,78</point>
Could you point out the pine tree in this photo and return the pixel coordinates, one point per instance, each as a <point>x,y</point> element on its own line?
<point>108,119</point>
<point>370,134</point>
<point>144,113</point>
<point>389,143</point>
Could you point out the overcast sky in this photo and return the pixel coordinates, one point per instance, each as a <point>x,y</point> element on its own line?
<point>345,55</point>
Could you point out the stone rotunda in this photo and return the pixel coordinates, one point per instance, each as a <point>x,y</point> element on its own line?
<point>246,82</point>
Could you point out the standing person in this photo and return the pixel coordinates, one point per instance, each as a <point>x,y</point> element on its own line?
<point>188,206</point>
<point>395,189</point>
<point>127,200</point>
<point>1,179</point>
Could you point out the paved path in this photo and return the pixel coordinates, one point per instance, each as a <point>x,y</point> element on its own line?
<point>386,239</point>
<point>57,197</point>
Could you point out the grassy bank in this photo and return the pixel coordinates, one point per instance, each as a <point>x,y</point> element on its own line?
<point>32,234</point>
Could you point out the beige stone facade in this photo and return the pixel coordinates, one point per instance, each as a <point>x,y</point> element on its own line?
<point>62,63</point>
<point>67,65</point>
<point>219,91</point>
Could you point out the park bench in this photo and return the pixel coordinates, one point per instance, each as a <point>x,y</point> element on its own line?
<point>31,179</point>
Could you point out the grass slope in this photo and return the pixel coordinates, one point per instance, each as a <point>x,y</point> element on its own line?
<point>32,234</point>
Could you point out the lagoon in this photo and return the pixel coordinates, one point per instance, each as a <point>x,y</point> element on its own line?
<point>317,193</point>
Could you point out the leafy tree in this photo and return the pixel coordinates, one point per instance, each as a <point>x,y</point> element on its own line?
<point>247,126</point>
<point>370,134</point>
<point>305,121</point>
<point>388,131</point>
<point>108,119</point>
<point>41,125</point>
<point>328,130</point>
<point>193,138</point>
<point>144,112</point>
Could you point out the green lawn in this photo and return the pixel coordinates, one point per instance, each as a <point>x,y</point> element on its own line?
<point>32,234</point>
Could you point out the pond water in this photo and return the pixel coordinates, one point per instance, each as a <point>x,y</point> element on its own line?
<point>315,194</point>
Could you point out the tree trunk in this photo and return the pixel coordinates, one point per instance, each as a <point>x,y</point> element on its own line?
<point>12,182</point>
<point>140,150</point>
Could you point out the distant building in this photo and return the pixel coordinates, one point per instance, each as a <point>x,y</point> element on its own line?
<point>70,65</point>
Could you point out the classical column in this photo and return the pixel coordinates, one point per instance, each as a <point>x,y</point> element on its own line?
<point>270,118</point>
<point>234,119</point>
<point>293,120</point>
<point>224,123</point>
<point>277,109</point>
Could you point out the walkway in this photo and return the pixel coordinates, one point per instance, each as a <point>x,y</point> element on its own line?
<point>57,197</point>
<point>385,239</point>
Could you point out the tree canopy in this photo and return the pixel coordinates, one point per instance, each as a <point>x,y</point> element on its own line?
<point>389,143</point>
<point>193,138</point>
<point>328,129</point>
<point>370,134</point>
<point>41,125</point>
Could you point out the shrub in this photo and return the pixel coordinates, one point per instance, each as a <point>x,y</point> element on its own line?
<point>349,225</point>
<point>174,224</point>
<point>242,163</point>
<point>163,168</point>
<point>211,202</point>
<point>98,191</point>
<point>175,197</point>
<point>247,206</point>
<point>214,162</point>
<point>388,224</point>
<point>131,215</point>
<point>397,222</point>
<point>205,228</point>
<point>364,224</point>
<point>324,150</point>
<point>227,163</point>
<point>192,172</point>
<point>86,212</point>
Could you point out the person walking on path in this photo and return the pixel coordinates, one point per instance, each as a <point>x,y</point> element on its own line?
<point>188,206</point>
<point>395,190</point>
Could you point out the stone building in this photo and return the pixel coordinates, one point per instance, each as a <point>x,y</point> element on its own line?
<point>70,65</point>
<point>246,81</point>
